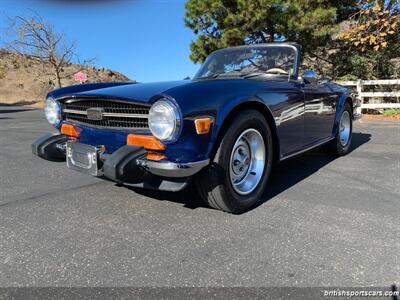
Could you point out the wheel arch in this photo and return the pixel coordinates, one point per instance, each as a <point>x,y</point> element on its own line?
<point>349,99</point>
<point>341,103</point>
<point>250,104</point>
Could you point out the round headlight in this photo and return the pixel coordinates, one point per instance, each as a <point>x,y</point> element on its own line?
<point>164,120</point>
<point>52,110</point>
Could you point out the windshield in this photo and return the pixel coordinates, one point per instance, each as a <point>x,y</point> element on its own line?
<point>248,61</point>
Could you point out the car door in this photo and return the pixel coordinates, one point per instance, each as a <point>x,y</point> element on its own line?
<point>286,101</point>
<point>319,112</point>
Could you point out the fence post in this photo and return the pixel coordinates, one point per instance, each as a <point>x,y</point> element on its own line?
<point>359,91</point>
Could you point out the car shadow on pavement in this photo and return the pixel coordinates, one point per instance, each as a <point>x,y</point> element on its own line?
<point>288,173</point>
<point>188,197</point>
<point>284,175</point>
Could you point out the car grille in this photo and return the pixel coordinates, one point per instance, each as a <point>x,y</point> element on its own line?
<point>115,114</point>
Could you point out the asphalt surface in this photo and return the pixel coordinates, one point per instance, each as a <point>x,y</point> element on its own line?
<point>324,221</point>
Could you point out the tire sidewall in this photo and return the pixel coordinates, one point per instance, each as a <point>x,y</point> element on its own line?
<point>243,121</point>
<point>341,150</point>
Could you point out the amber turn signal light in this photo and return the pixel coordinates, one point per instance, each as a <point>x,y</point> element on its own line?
<point>148,142</point>
<point>203,125</point>
<point>70,130</point>
<point>155,156</point>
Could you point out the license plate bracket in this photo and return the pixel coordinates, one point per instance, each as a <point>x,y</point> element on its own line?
<point>83,158</point>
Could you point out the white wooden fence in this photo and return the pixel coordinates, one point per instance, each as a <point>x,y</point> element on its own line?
<point>382,94</point>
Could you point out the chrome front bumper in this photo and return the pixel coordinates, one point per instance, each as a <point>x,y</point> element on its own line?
<point>170,169</point>
<point>127,163</point>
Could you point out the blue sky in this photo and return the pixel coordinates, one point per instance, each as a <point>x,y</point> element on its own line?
<point>144,39</point>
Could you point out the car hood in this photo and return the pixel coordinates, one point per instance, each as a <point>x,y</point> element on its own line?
<point>138,92</point>
<point>190,95</point>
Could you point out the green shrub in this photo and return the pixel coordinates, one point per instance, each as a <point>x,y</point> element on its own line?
<point>391,112</point>
<point>347,77</point>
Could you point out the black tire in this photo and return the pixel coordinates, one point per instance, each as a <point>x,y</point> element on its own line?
<point>214,184</point>
<point>337,147</point>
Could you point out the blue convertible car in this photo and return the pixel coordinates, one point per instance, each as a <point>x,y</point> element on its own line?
<point>245,109</point>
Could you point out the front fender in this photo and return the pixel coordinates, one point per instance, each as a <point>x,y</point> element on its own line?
<point>191,146</point>
<point>234,106</point>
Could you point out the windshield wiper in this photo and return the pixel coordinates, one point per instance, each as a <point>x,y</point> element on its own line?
<point>253,74</point>
<point>211,76</point>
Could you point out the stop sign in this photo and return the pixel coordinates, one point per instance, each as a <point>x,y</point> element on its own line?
<point>80,76</point>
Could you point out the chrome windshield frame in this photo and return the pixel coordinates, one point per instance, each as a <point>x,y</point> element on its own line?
<point>296,48</point>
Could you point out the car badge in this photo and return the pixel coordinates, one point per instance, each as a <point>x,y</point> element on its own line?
<point>95,113</point>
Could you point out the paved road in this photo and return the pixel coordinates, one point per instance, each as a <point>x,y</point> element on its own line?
<point>324,222</point>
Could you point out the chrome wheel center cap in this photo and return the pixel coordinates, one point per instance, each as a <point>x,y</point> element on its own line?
<point>241,160</point>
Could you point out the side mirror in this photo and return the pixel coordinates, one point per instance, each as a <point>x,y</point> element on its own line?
<point>310,77</point>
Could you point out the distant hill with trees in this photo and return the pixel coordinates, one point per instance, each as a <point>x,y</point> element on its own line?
<point>24,80</point>
<point>39,59</point>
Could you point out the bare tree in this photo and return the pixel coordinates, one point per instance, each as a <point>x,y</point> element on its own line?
<point>40,41</point>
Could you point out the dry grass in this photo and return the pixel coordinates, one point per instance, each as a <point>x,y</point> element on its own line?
<point>381,118</point>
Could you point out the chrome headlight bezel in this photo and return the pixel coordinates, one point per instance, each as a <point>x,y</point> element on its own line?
<point>52,111</point>
<point>170,110</point>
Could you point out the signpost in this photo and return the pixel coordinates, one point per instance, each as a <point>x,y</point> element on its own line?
<point>80,76</point>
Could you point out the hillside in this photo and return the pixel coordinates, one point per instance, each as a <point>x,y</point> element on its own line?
<point>26,81</point>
